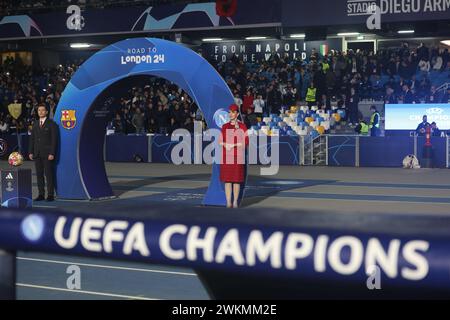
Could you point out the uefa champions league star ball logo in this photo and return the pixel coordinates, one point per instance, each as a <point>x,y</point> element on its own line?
<point>221,117</point>
<point>32,227</point>
<point>151,19</point>
<point>24,22</point>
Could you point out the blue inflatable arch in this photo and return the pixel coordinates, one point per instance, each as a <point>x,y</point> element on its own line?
<point>83,111</point>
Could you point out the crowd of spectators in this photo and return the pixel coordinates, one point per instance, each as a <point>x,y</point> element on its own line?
<point>267,87</point>
<point>156,106</point>
<point>27,86</point>
<point>343,78</point>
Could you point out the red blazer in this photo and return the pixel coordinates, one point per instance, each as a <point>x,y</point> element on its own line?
<point>232,168</point>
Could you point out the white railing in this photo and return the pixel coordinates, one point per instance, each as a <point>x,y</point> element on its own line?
<point>313,149</point>
<point>445,86</point>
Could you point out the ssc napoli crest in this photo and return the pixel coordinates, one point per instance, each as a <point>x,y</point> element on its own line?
<point>221,117</point>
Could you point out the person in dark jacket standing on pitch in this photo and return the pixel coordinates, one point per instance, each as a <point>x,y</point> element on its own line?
<point>352,103</point>
<point>43,142</point>
<point>374,122</point>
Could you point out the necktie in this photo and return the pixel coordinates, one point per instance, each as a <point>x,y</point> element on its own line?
<point>42,123</point>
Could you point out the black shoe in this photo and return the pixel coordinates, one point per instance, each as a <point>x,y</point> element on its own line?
<point>39,198</point>
<point>50,198</point>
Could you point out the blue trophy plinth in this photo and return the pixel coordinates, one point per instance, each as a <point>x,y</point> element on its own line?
<point>16,188</point>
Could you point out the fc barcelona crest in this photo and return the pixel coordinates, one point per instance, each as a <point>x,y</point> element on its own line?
<point>68,119</point>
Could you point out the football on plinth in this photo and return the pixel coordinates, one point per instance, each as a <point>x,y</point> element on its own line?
<point>15,159</point>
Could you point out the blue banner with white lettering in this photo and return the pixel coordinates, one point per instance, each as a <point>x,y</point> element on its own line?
<point>404,259</point>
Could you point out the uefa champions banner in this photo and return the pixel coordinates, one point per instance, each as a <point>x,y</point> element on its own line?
<point>408,116</point>
<point>414,260</point>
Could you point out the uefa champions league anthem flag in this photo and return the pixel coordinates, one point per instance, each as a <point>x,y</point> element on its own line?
<point>87,102</point>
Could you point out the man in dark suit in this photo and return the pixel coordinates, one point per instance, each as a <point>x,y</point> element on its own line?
<point>422,127</point>
<point>42,150</point>
<point>352,104</point>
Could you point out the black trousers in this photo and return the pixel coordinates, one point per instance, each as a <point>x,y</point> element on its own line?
<point>47,168</point>
<point>353,116</point>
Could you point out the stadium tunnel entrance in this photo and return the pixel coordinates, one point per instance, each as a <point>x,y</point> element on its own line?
<point>86,106</point>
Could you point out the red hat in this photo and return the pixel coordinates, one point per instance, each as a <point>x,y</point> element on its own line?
<point>233,108</point>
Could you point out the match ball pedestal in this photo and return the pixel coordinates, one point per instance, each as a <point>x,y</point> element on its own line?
<point>7,275</point>
<point>428,153</point>
<point>427,159</point>
<point>16,191</point>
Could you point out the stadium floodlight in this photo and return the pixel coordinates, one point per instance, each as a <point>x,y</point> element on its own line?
<point>297,36</point>
<point>212,39</point>
<point>405,31</point>
<point>80,45</point>
<point>255,38</point>
<point>446,42</point>
<point>348,34</point>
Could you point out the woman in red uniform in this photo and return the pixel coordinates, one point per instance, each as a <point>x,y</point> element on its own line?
<point>232,170</point>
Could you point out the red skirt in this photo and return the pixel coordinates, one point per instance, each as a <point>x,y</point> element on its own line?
<point>232,173</point>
